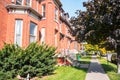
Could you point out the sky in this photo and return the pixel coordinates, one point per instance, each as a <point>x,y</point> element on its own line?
<point>71,6</point>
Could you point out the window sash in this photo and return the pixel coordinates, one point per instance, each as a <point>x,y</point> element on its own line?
<point>42,35</point>
<point>61,27</point>
<point>18,32</point>
<point>56,14</point>
<point>28,2</point>
<point>33,32</point>
<point>32,29</point>
<point>43,10</point>
<point>32,38</point>
<point>19,2</point>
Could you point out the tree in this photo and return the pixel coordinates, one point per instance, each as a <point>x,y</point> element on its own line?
<point>101,22</point>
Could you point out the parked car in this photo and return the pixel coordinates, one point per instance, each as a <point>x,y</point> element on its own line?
<point>114,58</point>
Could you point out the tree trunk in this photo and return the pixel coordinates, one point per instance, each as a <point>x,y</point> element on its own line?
<point>118,57</point>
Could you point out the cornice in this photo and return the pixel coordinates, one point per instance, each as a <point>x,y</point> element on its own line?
<point>13,6</point>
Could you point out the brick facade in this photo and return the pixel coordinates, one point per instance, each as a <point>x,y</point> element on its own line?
<point>56,30</point>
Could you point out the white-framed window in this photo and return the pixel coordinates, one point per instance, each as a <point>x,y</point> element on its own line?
<point>13,1</point>
<point>28,2</point>
<point>42,35</point>
<point>68,43</point>
<point>56,14</point>
<point>75,45</point>
<point>66,30</point>
<point>61,26</point>
<point>33,32</point>
<point>56,40</point>
<point>18,32</point>
<point>19,2</point>
<point>43,10</point>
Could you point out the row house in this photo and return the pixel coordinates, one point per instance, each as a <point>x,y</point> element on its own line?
<point>26,21</point>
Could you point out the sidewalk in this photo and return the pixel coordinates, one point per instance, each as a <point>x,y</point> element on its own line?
<point>95,71</point>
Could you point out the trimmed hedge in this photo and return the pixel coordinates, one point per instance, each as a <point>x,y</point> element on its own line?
<point>37,60</point>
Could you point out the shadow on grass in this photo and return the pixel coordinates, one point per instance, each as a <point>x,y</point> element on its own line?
<point>82,65</point>
<point>84,62</point>
<point>109,68</point>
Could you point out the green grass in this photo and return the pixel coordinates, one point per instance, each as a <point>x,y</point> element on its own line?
<point>110,69</point>
<point>85,59</point>
<point>68,72</point>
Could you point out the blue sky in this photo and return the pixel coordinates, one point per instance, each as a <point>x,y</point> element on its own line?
<point>71,6</point>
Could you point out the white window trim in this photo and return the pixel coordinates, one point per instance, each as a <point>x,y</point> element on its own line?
<point>16,32</point>
<point>56,14</point>
<point>13,1</point>
<point>60,26</point>
<point>44,10</point>
<point>22,2</point>
<point>37,5</point>
<point>30,3</point>
<point>35,32</point>
<point>43,37</point>
<point>56,44</point>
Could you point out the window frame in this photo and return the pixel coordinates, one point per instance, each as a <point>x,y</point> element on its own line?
<point>43,34</point>
<point>35,32</point>
<point>29,4</point>
<point>15,35</point>
<point>44,10</point>
<point>56,14</point>
<point>19,3</point>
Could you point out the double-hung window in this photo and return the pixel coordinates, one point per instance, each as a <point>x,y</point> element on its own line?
<point>33,32</point>
<point>56,14</point>
<point>60,26</point>
<point>19,2</point>
<point>42,35</point>
<point>18,32</point>
<point>44,10</point>
<point>28,2</point>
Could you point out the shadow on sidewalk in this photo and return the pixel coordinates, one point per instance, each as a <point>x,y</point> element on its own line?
<point>95,67</point>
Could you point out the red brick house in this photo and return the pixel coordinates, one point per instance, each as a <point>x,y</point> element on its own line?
<point>26,21</point>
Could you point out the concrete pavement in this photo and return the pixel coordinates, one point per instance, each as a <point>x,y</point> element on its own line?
<point>95,71</point>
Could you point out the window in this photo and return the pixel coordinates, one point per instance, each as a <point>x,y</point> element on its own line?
<point>18,32</point>
<point>28,2</point>
<point>56,40</point>
<point>19,2</point>
<point>33,32</point>
<point>75,45</point>
<point>56,14</point>
<point>42,35</point>
<point>60,26</point>
<point>68,43</point>
<point>12,1</point>
<point>43,10</point>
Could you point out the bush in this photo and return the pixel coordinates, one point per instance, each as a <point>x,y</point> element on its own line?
<point>37,60</point>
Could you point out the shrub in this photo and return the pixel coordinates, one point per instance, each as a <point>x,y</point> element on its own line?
<point>37,60</point>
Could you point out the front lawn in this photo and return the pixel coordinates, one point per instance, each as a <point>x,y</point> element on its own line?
<point>69,72</point>
<point>110,69</point>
